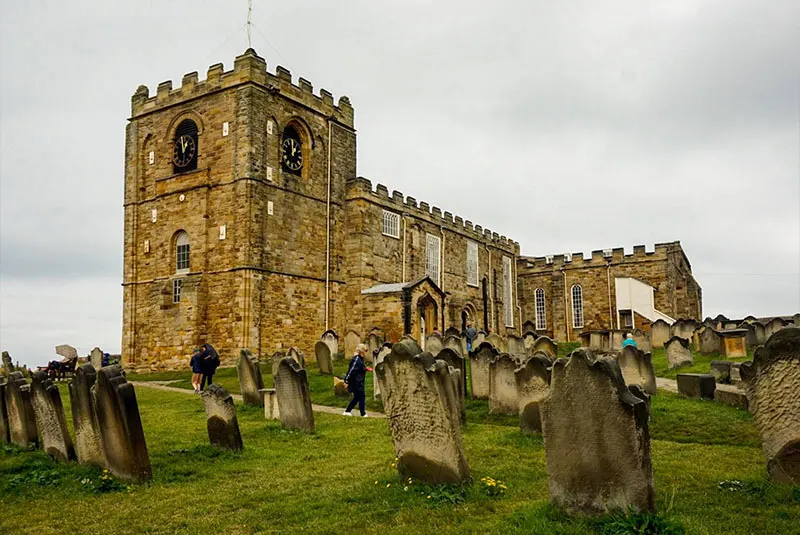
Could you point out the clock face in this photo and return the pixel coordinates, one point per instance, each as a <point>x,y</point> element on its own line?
<point>292,154</point>
<point>184,150</point>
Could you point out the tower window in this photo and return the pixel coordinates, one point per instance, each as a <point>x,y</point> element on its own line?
<point>577,306</point>
<point>390,224</point>
<point>291,151</point>
<point>541,310</point>
<point>433,251</point>
<point>182,252</point>
<point>472,263</point>
<point>508,294</point>
<point>184,150</point>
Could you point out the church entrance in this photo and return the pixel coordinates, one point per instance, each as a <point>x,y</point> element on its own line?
<point>428,317</point>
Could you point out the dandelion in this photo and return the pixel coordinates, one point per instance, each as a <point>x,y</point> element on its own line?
<point>429,496</point>
<point>388,485</point>
<point>376,481</point>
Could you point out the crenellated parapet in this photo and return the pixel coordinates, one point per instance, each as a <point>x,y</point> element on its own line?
<point>598,258</point>
<point>362,188</point>
<point>247,68</point>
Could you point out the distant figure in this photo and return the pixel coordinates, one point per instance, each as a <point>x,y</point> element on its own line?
<point>629,341</point>
<point>354,381</point>
<point>209,362</point>
<point>106,360</point>
<point>470,333</point>
<point>197,370</point>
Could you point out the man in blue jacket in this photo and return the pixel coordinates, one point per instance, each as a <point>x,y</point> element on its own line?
<point>354,381</point>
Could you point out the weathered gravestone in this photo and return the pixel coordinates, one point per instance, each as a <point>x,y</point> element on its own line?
<point>271,410</point>
<point>479,361</point>
<point>21,418</point>
<point>596,438</point>
<point>639,392</point>
<point>374,343</point>
<point>275,360</point>
<point>323,354</point>
<point>480,338</point>
<point>533,385</point>
<point>796,319</point>
<point>455,343</point>
<point>294,398</point>
<point>96,358</point>
<point>659,333</point>
<point>546,345</point>
<point>617,337</point>
<point>452,331</point>
<point>421,404</point>
<point>331,339</point>
<point>683,328</point>
<point>733,343</point>
<point>503,398</point>
<point>736,374</point>
<point>772,382</point>
<point>88,444</point>
<point>696,385</point>
<point>708,340</point>
<point>379,356</point>
<point>50,418</point>
<point>351,341</point>
<point>731,395</point>
<point>751,337</point>
<point>297,355</point>
<point>774,325</point>
<point>223,427</point>
<point>8,364</point>
<point>120,425</point>
<point>434,343</point>
<point>66,351</point>
<point>528,340</point>
<point>250,380</point>
<point>721,371</point>
<point>498,342</point>
<point>678,353</point>
<point>637,368</point>
<point>516,346</point>
<point>4,437</point>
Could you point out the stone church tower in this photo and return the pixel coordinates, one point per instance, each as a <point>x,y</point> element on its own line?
<point>234,214</point>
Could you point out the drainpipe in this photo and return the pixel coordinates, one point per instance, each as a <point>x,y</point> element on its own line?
<point>403,278</point>
<point>328,232</point>
<point>491,287</point>
<point>566,303</point>
<point>441,276</point>
<point>610,312</point>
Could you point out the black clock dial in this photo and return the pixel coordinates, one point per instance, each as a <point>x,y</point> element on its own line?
<point>184,150</point>
<point>292,154</point>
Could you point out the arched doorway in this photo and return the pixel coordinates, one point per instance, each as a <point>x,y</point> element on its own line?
<point>428,317</point>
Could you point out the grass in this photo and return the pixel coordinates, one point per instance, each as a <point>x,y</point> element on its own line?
<point>701,364</point>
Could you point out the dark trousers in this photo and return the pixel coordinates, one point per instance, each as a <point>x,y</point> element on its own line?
<point>360,397</point>
<point>206,377</point>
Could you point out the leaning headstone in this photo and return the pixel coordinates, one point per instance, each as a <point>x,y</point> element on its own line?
<point>67,351</point>
<point>379,356</point>
<point>503,398</point>
<point>331,339</point>
<point>250,381</point>
<point>659,333</point>
<point>50,418</point>
<point>772,382</point>
<point>637,368</point>
<point>733,343</point>
<point>678,353</point>
<point>323,354</point>
<point>546,345</point>
<point>642,339</point>
<point>721,371</point>
<point>498,342</point>
<point>120,425</point>
<point>88,444</point>
<point>271,410</point>
<point>639,392</point>
<point>21,418</point>
<point>294,397</point>
<point>533,385</point>
<point>297,355</point>
<point>275,360</point>
<point>4,437</point>
<point>351,341</point>
<point>596,438</point>
<point>96,358</point>
<point>696,385</point>
<point>434,343</point>
<point>479,361</point>
<point>8,364</point>
<point>223,427</point>
<point>708,340</point>
<point>421,404</point>
<point>374,343</point>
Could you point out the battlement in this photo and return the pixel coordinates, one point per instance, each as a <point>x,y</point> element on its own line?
<point>601,257</point>
<point>362,188</point>
<point>249,67</point>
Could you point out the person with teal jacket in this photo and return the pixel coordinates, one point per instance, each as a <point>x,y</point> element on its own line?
<point>629,341</point>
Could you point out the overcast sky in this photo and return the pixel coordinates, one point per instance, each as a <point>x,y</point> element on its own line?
<point>568,126</point>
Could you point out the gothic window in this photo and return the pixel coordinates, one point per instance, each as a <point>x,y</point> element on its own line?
<point>508,294</point>
<point>291,151</point>
<point>185,147</point>
<point>181,252</point>
<point>391,224</point>
<point>541,311</point>
<point>433,251</point>
<point>577,306</point>
<point>472,263</point>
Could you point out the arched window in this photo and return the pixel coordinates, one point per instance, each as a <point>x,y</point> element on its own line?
<point>541,312</point>
<point>292,151</point>
<point>184,149</point>
<point>577,306</point>
<point>181,252</point>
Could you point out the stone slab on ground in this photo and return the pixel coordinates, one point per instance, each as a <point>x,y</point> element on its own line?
<point>696,385</point>
<point>731,395</point>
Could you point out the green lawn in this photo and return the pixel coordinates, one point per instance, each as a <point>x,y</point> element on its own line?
<point>701,364</point>
<point>288,482</point>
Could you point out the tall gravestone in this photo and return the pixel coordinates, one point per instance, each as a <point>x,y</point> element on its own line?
<point>275,360</point>
<point>331,339</point>
<point>528,340</point>
<point>678,352</point>
<point>642,339</point>
<point>250,380</point>
<point>659,333</point>
<point>421,404</point>
<point>434,343</point>
<point>120,425</point>
<point>223,427</point>
<point>4,436</point>
<point>8,364</point>
<point>515,345</point>
<point>503,398</point>
<point>684,328</point>
<point>297,355</point>
<point>750,337</point>
<point>637,368</point>
<point>452,331</point>
<point>708,340</point>
<point>379,356</point>
<point>454,343</point>
<point>21,418</point>
<point>774,325</point>
<point>772,382</point>
<point>323,354</point>
<point>50,418</point>
<point>351,341</point>
<point>96,358</point>
<point>479,361</point>
<point>480,338</point>
<point>374,343</point>
<point>88,444</point>
<point>294,397</point>
<point>546,345</point>
<point>498,342</point>
<point>533,385</point>
<point>596,438</point>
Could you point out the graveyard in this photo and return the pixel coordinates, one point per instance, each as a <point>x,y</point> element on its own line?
<point>488,474</point>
